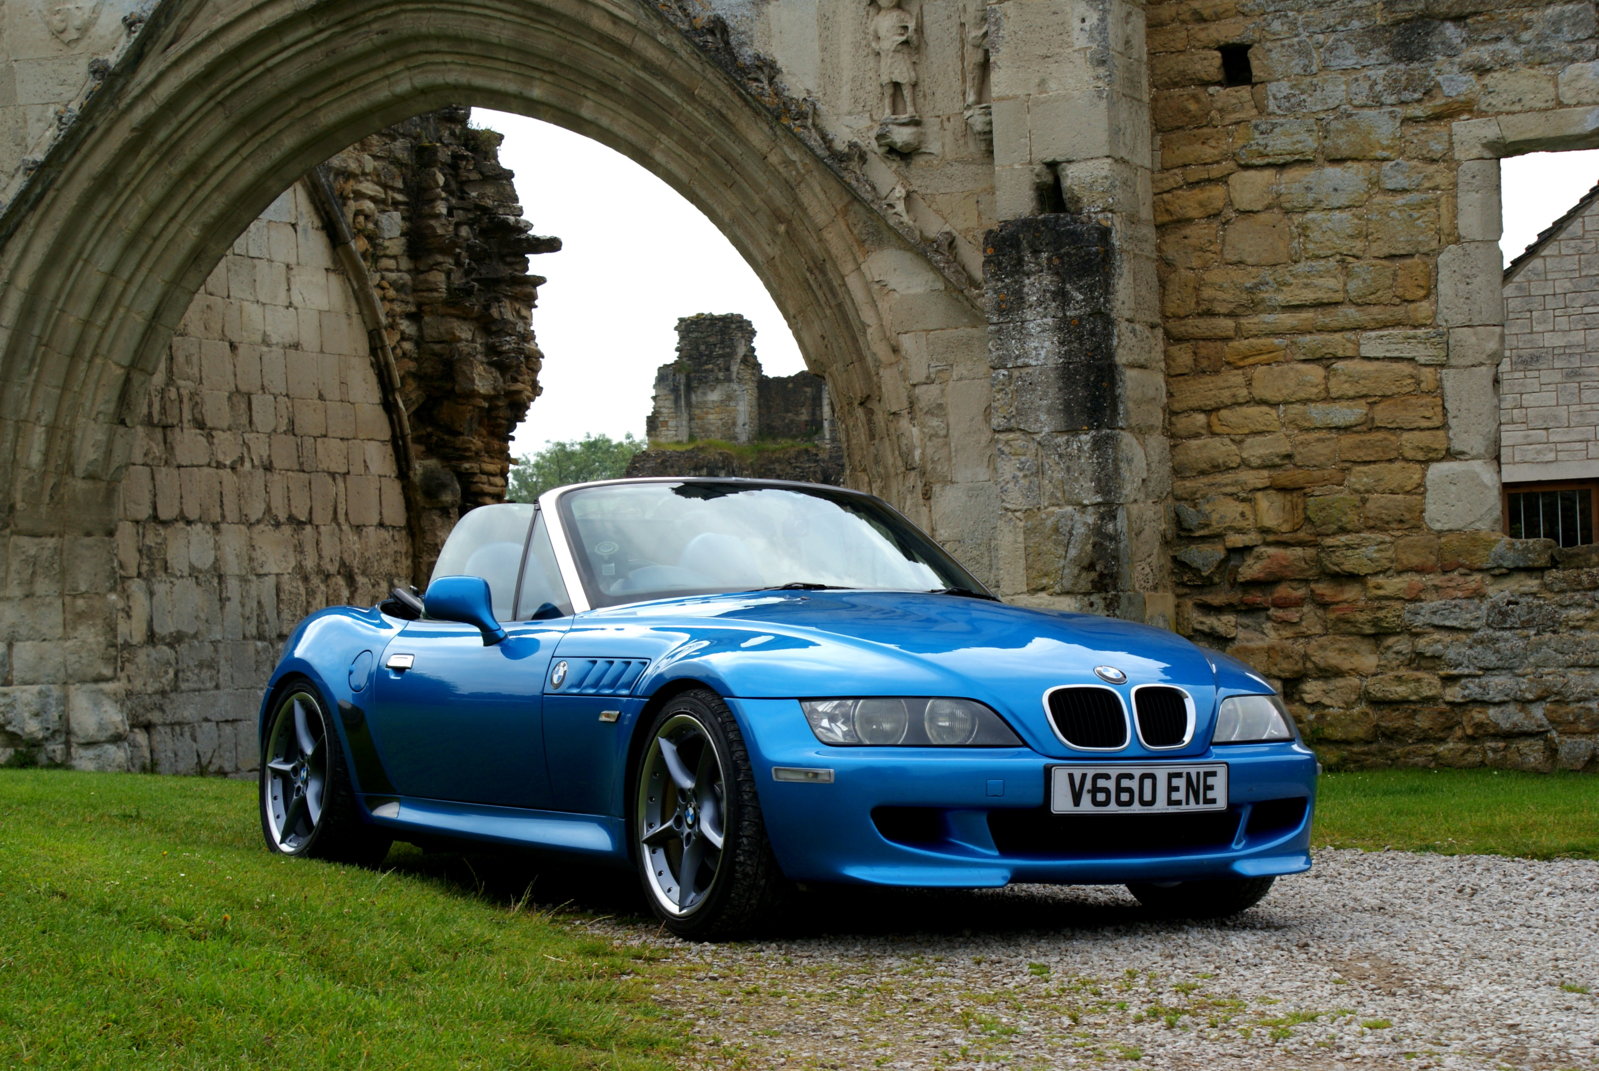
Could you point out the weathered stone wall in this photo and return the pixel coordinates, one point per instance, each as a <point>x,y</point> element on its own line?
<point>715,390</point>
<point>264,485</point>
<point>712,390</point>
<point>795,407</point>
<point>1077,428</point>
<point>56,56</point>
<point>340,389</point>
<point>435,219</point>
<point>1491,661</point>
<point>1331,296</point>
<point>1549,378</point>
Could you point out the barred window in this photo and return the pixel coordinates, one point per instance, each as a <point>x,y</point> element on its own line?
<point>1563,512</point>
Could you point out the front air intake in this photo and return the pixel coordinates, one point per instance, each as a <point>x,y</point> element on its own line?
<point>1163,719</point>
<point>1088,718</point>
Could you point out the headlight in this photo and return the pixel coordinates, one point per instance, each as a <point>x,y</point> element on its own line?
<point>884,722</point>
<point>1251,719</point>
<point>881,721</point>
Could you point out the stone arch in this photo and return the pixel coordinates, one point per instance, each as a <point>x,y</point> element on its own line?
<point>229,101</point>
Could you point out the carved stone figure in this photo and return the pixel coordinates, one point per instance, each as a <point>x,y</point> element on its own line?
<point>979,112</point>
<point>71,20</point>
<point>974,54</point>
<point>894,204</point>
<point>895,38</point>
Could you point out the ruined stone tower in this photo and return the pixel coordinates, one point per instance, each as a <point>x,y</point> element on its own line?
<point>716,390</point>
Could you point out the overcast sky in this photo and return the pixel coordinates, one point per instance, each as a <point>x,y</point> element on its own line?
<point>1539,188</point>
<point>637,257</point>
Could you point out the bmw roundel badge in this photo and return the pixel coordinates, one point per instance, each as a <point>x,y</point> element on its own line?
<point>558,675</point>
<point>1110,674</point>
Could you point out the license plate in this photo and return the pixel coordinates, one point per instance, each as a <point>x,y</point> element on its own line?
<point>1137,789</point>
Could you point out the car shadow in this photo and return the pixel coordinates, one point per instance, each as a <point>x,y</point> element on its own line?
<point>528,879</point>
<point>1082,913</point>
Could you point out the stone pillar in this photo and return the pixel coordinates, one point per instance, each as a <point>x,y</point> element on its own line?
<point>1079,389</point>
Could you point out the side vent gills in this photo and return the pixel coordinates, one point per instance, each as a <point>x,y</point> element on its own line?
<point>603,676</point>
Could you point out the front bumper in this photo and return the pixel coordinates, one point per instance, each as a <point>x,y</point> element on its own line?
<point>970,818</point>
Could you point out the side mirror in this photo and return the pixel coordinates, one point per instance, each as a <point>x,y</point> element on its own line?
<point>465,599</point>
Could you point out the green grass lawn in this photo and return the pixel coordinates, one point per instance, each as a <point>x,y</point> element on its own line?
<point>142,923</point>
<point>1494,812</point>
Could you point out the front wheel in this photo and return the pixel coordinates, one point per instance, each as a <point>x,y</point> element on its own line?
<point>307,807</point>
<point>1212,898</point>
<point>700,841</point>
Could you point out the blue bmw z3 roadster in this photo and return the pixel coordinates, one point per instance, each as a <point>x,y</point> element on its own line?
<point>739,687</point>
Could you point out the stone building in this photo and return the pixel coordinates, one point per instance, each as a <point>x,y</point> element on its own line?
<point>715,389</point>
<point>714,396</point>
<point>1549,381</point>
<point>1189,312</point>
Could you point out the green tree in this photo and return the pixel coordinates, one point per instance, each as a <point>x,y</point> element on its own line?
<point>593,457</point>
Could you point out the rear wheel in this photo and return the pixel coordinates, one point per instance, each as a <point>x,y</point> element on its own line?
<point>700,841</point>
<point>1208,899</point>
<point>307,807</point>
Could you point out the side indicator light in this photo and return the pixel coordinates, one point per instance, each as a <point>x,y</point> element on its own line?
<point>802,774</point>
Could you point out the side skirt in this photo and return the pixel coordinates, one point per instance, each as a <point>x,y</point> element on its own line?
<point>596,837</point>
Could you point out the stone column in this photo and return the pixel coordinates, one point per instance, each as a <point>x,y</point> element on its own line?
<point>1079,388</point>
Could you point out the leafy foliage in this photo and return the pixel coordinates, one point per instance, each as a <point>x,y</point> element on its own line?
<point>593,457</point>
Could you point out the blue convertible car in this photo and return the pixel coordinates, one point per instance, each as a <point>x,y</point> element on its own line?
<point>737,687</point>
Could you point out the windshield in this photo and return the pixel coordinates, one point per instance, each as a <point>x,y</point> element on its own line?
<point>641,541</point>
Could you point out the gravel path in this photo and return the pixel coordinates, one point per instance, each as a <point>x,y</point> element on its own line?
<point>1372,960</point>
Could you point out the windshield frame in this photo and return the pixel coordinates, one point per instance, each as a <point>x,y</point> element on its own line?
<point>585,592</point>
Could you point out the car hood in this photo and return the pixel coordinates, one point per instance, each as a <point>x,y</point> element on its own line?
<point>820,643</point>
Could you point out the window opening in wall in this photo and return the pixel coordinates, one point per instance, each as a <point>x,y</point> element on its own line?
<point>1050,192</point>
<point>1537,189</point>
<point>1548,378</point>
<point>1562,512</point>
<point>1235,69</point>
<point>635,257</point>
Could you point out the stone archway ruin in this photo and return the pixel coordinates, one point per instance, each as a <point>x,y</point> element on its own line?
<point>229,102</point>
<point>1181,312</point>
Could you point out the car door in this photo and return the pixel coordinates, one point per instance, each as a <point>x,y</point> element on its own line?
<point>456,720</point>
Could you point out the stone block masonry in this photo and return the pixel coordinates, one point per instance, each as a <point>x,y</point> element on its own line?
<point>1330,291</point>
<point>715,390</point>
<point>263,485</point>
<point>268,474</point>
<point>435,219</point>
<point>1549,378</point>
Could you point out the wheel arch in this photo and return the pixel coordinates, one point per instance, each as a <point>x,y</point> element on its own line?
<point>290,671</point>
<point>638,738</point>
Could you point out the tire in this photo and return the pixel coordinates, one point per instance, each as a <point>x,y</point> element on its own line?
<point>1209,899</point>
<point>698,835</point>
<point>307,807</point>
